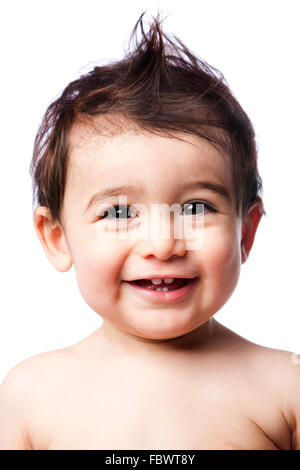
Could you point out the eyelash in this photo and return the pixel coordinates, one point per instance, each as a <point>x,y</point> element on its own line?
<point>101,217</point>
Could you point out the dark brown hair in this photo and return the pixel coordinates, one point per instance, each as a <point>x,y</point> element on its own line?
<point>160,87</point>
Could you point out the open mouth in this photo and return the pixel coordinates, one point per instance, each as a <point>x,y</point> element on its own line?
<point>163,286</point>
<point>164,292</point>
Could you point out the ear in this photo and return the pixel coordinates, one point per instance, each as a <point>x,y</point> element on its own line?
<point>249,228</point>
<point>52,239</point>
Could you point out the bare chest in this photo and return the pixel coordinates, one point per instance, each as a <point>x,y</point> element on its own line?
<point>139,414</point>
<point>143,432</point>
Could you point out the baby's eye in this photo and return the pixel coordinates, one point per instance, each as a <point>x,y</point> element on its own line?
<point>116,212</point>
<point>124,211</point>
<point>198,207</point>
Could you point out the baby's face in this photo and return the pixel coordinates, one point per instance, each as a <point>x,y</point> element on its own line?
<point>160,167</point>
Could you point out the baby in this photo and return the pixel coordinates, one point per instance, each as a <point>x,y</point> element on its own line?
<point>154,139</point>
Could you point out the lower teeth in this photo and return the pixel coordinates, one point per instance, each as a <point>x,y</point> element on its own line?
<point>160,289</point>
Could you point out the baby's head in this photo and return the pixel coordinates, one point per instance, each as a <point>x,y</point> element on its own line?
<point>160,126</point>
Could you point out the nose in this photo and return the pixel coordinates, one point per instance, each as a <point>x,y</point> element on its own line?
<point>162,249</point>
<point>163,245</point>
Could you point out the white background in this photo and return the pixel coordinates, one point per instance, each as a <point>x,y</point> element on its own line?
<point>44,46</point>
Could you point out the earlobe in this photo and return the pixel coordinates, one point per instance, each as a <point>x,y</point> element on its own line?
<point>244,253</point>
<point>52,239</point>
<point>249,228</point>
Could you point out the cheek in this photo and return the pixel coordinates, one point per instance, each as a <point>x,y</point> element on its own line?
<point>221,258</point>
<point>98,264</point>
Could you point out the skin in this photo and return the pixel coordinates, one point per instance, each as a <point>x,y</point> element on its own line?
<point>153,376</point>
<point>102,265</point>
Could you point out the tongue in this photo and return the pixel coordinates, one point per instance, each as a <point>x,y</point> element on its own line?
<point>176,284</point>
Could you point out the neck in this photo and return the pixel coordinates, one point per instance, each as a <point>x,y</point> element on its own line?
<point>127,344</point>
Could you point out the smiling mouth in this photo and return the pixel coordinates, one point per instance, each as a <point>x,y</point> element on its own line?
<point>178,283</point>
<point>163,294</point>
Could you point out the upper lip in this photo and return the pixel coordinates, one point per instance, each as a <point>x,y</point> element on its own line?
<point>162,276</point>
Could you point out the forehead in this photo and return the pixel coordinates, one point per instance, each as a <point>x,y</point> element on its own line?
<point>102,154</point>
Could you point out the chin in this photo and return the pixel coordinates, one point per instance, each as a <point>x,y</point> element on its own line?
<point>159,332</point>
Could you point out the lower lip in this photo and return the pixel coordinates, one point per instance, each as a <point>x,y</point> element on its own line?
<point>165,296</point>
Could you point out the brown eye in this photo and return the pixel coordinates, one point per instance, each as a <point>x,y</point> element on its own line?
<point>198,207</point>
<point>117,212</point>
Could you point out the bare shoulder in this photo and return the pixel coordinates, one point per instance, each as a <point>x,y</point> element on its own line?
<point>268,379</point>
<point>14,413</point>
<point>274,362</point>
<point>282,370</point>
<point>287,368</point>
<point>39,368</point>
<point>275,369</point>
<point>23,391</point>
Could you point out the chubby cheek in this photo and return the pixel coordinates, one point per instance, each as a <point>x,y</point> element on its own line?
<point>97,269</point>
<point>220,263</point>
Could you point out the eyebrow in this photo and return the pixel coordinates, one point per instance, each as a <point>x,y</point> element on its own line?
<point>137,190</point>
